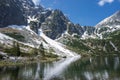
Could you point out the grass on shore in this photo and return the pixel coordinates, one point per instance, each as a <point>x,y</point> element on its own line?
<point>29,61</point>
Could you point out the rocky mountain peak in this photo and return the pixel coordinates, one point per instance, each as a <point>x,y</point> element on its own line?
<point>58,15</point>
<point>57,12</point>
<point>27,3</point>
<point>54,24</point>
<point>115,16</point>
<point>108,25</point>
<point>117,13</point>
<point>112,20</point>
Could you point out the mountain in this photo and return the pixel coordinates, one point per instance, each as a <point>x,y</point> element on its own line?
<point>55,24</point>
<point>108,25</point>
<point>111,21</point>
<point>30,41</point>
<point>24,12</point>
<point>32,25</point>
<point>103,39</point>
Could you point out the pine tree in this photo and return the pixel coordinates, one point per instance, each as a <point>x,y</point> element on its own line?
<point>42,50</point>
<point>16,48</point>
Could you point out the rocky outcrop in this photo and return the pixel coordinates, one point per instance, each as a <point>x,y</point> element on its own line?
<point>75,29</point>
<point>89,30</point>
<point>55,24</point>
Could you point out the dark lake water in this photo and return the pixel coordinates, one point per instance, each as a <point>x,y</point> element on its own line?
<point>97,68</point>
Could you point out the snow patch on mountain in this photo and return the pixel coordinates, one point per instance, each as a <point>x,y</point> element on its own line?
<point>86,36</point>
<point>108,25</point>
<point>36,2</point>
<point>111,21</point>
<point>5,39</point>
<point>113,46</point>
<point>32,19</point>
<point>17,27</point>
<point>58,47</point>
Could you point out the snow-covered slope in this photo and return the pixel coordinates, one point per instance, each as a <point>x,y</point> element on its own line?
<point>34,40</point>
<point>5,39</point>
<point>31,38</point>
<point>58,47</point>
<point>8,41</point>
<point>107,25</point>
<point>111,21</point>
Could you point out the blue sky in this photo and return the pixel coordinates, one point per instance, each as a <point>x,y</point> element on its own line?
<point>84,12</point>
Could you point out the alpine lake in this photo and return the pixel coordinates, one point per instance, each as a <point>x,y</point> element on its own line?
<point>94,68</point>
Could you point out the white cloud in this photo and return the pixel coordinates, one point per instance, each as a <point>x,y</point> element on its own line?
<point>103,2</point>
<point>36,2</point>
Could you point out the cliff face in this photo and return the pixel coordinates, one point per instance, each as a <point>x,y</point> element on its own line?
<point>11,13</point>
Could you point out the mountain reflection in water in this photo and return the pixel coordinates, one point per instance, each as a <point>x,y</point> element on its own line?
<point>97,68</point>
